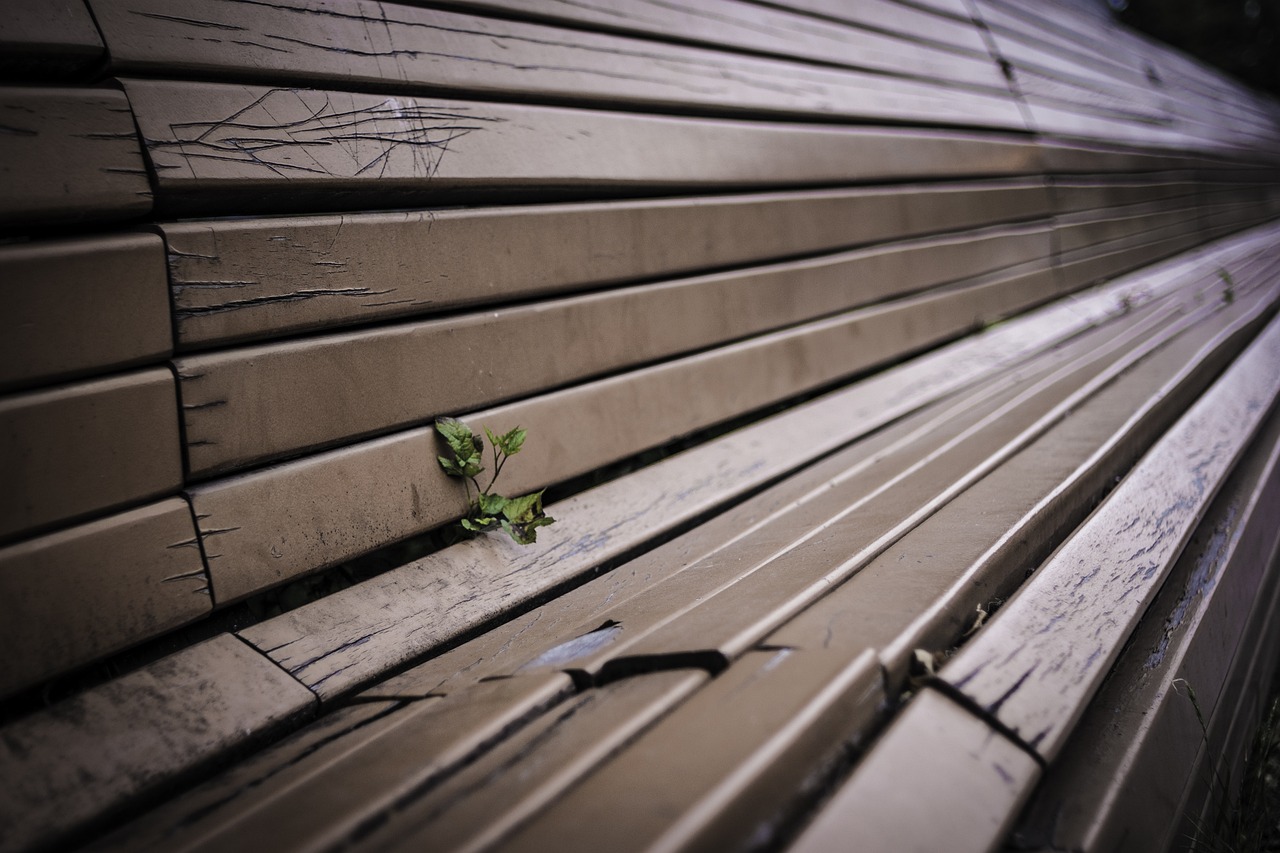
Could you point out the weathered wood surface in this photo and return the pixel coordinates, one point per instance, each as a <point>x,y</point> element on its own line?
<point>300,515</point>
<point>409,611</point>
<point>87,447</point>
<point>76,307</point>
<point>943,22</point>
<point>711,786</point>
<point>198,812</point>
<point>69,155</point>
<point>218,147</point>
<point>256,278</point>
<point>875,34</point>
<point>84,592</point>
<point>938,779</point>
<point>1124,776</point>
<point>1076,194</point>
<point>1068,623</point>
<point>48,39</point>
<point>924,591</point>
<point>370,45</point>
<point>246,406</point>
<point>66,767</point>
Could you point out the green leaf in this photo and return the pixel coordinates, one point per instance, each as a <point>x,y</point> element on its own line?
<point>478,523</point>
<point>511,442</point>
<point>465,445</point>
<point>526,533</point>
<point>450,467</point>
<point>523,509</point>
<point>492,504</point>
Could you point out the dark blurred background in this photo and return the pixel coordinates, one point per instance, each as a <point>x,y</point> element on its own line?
<point>1242,37</point>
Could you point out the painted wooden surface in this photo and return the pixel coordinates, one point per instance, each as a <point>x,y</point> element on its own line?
<point>711,786</point>
<point>408,611</point>
<point>373,45</point>
<point>48,39</point>
<point>65,767</point>
<point>255,278</point>
<point>87,591</point>
<point>956,785</point>
<point>220,146</point>
<point>1123,776</point>
<point>86,447</point>
<point>84,306</point>
<point>84,137</point>
<point>1069,621</point>
<point>246,406</point>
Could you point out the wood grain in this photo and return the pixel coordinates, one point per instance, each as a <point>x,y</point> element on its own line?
<point>68,766</point>
<point>48,39</point>
<point>67,156</point>
<point>1068,623</point>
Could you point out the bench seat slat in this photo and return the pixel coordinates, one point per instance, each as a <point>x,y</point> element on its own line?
<point>1128,766</point>
<point>1098,593</point>
<point>87,447</point>
<point>66,768</point>
<point>84,137</point>
<point>218,147</point>
<point>420,50</point>
<point>245,279</point>
<point>324,390</point>
<point>42,39</point>
<point>84,592</point>
<point>85,306</point>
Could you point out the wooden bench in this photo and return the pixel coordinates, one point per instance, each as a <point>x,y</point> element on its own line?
<point>834,329</point>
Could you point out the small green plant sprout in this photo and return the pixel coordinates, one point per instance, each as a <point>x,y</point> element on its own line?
<point>519,517</point>
<point>1228,292</point>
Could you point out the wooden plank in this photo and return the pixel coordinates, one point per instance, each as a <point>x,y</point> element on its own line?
<point>82,593</point>
<point>711,786</point>
<point>943,22</point>
<point>69,765</point>
<point>923,592</point>
<point>1097,593</point>
<point>363,772</point>
<point>524,773</point>
<point>243,279</point>
<point>199,812</point>
<point>1079,194</point>
<point>48,39</point>
<point>75,307</point>
<point>84,137</point>
<point>87,447</point>
<point>1149,221</point>
<point>390,617</point>
<point>1134,753</point>
<point>246,406</point>
<point>733,601</point>
<point>724,24</point>
<point>224,147</point>
<point>299,514</point>
<point>939,779</point>
<point>371,45</point>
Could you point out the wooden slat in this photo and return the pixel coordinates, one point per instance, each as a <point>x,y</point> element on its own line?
<point>939,779</point>
<point>48,38</point>
<point>87,447</point>
<point>347,639</point>
<point>249,405</point>
<point>706,785</point>
<point>353,780</point>
<point>1068,623</point>
<point>67,766</point>
<point>69,155</point>
<point>1075,194</point>
<point>200,811</point>
<point>82,593</point>
<point>243,279</point>
<point>75,307</point>
<point>923,592</point>
<point>226,146</point>
<point>397,481</point>
<point>918,21</point>
<point>1124,775</point>
<point>726,24</point>
<point>372,45</point>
